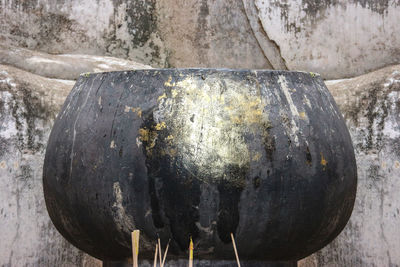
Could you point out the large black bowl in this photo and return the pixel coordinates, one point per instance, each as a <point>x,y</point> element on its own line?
<point>264,155</point>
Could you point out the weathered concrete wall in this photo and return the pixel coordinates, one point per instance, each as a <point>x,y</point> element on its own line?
<point>208,33</point>
<point>124,29</point>
<point>371,106</point>
<point>337,38</point>
<point>65,66</point>
<point>27,108</point>
<point>160,33</point>
<point>29,104</point>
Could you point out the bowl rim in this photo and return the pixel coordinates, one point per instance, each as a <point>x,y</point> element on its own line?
<point>198,69</point>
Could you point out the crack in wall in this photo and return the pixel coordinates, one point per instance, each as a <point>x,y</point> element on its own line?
<point>274,43</point>
<point>269,47</point>
<point>254,33</point>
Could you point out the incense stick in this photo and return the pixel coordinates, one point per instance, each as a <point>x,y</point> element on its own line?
<point>159,250</point>
<point>191,253</point>
<point>165,254</point>
<point>135,247</point>
<point>236,253</point>
<point>155,256</point>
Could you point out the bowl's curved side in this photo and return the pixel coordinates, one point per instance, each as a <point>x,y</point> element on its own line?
<point>202,153</point>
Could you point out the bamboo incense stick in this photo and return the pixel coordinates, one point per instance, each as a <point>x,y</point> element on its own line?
<point>236,253</point>
<point>165,254</point>
<point>159,250</point>
<point>191,253</point>
<point>155,256</point>
<point>135,247</point>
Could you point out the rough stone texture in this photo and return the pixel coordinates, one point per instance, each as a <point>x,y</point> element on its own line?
<point>163,33</point>
<point>27,109</point>
<point>336,38</point>
<point>29,104</point>
<point>208,33</point>
<point>371,106</point>
<point>104,27</point>
<point>64,66</point>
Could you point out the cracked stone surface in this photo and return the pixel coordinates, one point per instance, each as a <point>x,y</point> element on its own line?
<point>209,34</point>
<point>167,33</point>
<point>336,38</point>
<point>125,29</point>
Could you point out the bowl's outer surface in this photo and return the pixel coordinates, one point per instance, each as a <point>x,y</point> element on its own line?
<point>204,153</point>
